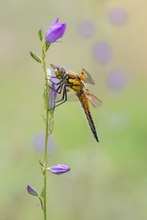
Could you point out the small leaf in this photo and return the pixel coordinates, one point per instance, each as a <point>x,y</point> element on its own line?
<point>41,164</point>
<point>35,57</point>
<point>41,35</point>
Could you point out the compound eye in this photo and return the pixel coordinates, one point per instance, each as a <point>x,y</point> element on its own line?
<point>62,70</point>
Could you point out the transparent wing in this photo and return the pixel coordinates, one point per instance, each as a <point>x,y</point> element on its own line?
<point>53,66</point>
<point>96,102</point>
<point>86,77</point>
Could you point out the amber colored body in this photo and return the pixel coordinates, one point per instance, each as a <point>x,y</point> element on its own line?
<point>75,82</point>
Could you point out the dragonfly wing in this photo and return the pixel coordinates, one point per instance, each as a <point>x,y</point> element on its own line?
<point>96,102</point>
<point>53,66</point>
<point>52,76</point>
<point>86,77</point>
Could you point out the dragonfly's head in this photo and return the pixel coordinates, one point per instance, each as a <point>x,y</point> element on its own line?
<point>59,71</point>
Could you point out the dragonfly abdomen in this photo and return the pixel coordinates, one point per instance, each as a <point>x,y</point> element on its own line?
<point>85,105</point>
<point>92,126</point>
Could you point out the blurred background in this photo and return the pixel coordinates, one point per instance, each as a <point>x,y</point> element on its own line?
<point>108,180</point>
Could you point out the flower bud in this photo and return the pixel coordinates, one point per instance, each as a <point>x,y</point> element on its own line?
<point>55,31</point>
<point>59,169</point>
<point>32,191</point>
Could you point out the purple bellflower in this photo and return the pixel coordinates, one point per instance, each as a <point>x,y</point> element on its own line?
<point>59,169</point>
<point>55,31</point>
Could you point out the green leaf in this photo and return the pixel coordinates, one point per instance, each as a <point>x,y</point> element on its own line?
<point>46,46</point>
<point>35,57</point>
<point>41,35</point>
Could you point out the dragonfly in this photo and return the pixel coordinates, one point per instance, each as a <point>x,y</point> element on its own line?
<point>70,81</point>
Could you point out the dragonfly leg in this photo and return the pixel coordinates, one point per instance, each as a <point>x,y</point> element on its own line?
<point>58,83</point>
<point>63,95</point>
<point>58,89</point>
<point>62,100</point>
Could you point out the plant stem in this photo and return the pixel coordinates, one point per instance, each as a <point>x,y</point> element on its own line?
<point>46,133</point>
<point>45,164</point>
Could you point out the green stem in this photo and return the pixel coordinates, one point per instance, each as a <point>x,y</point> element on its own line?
<point>46,133</point>
<point>45,164</point>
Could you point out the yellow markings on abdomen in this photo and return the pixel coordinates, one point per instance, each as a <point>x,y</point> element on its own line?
<point>84,102</point>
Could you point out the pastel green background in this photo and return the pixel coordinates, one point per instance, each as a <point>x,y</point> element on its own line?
<point>108,180</point>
